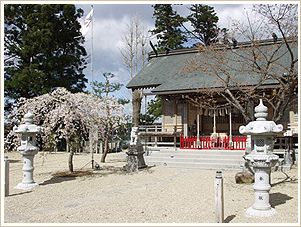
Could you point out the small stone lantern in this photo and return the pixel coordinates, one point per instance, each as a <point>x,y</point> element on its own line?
<point>135,159</point>
<point>28,149</point>
<point>261,159</point>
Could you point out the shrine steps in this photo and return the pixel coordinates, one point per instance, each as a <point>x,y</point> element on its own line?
<point>202,159</point>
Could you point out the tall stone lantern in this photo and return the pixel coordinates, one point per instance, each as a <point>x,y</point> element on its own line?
<point>28,150</point>
<point>261,159</point>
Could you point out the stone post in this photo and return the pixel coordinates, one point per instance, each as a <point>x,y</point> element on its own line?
<point>261,159</point>
<point>219,197</point>
<point>28,150</point>
<point>6,176</point>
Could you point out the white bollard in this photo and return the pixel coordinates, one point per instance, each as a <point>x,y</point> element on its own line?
<point>219,197</point>
<point>6,179</point>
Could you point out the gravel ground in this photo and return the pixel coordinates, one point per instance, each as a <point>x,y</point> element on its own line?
<point>153,195</point>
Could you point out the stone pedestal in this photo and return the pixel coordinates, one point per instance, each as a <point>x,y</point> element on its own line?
<point>262,168</point>
<point>27,181</point>
<point>135,159</point>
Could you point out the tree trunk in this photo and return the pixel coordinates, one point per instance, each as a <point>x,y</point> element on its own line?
<point>70,160</point>
<point>106,150</point>
<point>136,102</point>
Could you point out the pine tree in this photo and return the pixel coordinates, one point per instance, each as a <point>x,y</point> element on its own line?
<point>203,19</point>
<point>168,23</point>
<point>103,90</point>
<point>43,49</point>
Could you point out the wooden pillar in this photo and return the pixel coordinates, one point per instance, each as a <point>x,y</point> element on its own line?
<point>185,119</point>
<point>175,113</point>
<point>230,128</point>
<point>156,138</point>
<point>175,121</point>
<point>198,128</point>
<point>214,122</point>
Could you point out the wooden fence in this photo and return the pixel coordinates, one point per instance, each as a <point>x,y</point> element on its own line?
<point>212,143</point>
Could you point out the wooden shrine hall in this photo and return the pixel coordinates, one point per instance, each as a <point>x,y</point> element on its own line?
<point>195,113</point>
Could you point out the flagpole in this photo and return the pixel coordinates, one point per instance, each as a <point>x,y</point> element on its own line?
<point>92,47</point>
<point>92,152</point>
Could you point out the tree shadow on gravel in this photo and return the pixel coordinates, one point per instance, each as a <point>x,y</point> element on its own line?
<point>112,170</point>
<point>20,193</point>
<point>57,180</point>
<point>14,161</point>
<point>63,176</point>
<point>229,218</point>
<point>279,198</point>
<point>287,179</point>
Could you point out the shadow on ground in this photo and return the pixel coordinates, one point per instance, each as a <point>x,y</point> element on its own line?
<point>13,160</point>
<point>111,170</point>
<point>287,179</point>
<point>20,193</point>
<point>56,180</point>
<point>229,218</point>
<point>278,199</point>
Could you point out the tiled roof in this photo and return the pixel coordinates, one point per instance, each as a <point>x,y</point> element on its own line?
<point>168,72</point>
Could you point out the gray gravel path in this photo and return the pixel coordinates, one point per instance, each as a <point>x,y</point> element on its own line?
<point>153,195</point>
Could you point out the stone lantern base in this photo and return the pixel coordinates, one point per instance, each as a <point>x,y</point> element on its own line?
<point>135,159</point>
<point>251,212</point>
<point>24,186</point>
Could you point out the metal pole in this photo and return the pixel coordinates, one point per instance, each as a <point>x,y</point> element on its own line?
<point>92,156</point>
<point>92,47</point>
<point>6,180</point>
<point>219,197</point>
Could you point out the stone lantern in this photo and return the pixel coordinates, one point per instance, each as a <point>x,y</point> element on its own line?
<point>28,150</point>
<point>261,159</point>
<point>135,159</point>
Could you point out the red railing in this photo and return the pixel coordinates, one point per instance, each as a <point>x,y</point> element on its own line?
<point>208,142</point>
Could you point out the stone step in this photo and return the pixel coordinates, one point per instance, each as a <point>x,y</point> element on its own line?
<point>196,155</point>
<point>203,159</point>
<point>193,165</point>
<point>196,160</point>
<point>207,152</point>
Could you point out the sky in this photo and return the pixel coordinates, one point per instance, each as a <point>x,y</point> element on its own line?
<point>109,24</point>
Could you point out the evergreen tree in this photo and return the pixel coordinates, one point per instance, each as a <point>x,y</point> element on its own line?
<point>203,20</point>
<point>103,90</point>
<point>168,23</point>
<point>43,49</point>
<point>154,111</point>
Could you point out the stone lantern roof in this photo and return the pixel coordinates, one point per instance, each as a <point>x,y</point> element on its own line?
<point>28,126</point>
<point>261,125</point>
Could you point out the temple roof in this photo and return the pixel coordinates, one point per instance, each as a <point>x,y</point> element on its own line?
<point>186,70</point>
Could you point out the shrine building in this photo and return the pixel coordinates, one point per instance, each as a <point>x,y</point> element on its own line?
<point>191,83</point>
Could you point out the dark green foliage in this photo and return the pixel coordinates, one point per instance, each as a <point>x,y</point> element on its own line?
<point>43,49</point>
<point>104,89</point>
<point>154,111</point>
<point>168,22</point>
<point>203,20</point>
